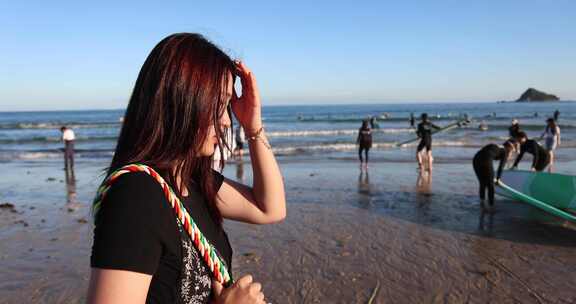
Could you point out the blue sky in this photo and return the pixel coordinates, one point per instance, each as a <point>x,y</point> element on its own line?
<point>73,55</point>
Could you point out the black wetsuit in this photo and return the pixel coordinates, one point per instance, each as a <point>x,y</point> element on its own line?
<point>556,115</point>
<point>483,167</point>
<point>541,156</point>
<point>365,142</point>
<point>424,131</point>
<point>514,130</point>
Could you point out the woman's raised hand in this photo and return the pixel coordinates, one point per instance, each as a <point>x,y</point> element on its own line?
<point>247,108</point>
<point>243,291</point>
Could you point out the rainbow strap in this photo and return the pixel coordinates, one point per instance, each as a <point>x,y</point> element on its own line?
<point>207,251</point>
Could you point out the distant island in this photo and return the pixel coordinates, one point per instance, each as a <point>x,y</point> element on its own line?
<point>533,95</point>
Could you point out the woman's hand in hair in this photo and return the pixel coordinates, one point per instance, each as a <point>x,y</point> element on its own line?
<point>244,291</point>
<point>247,107</point>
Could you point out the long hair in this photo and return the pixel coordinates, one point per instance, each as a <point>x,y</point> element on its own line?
<point>178,96</point>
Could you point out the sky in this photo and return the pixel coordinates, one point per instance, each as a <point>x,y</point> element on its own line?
<point>58,55</point>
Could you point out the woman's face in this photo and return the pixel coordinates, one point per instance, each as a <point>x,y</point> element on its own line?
<point>225,122</point>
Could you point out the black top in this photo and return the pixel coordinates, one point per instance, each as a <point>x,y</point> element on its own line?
<point>490,153</point>
<point>137,230</point>
<point>424,130</point>
<point>514,130</point>
<point>365,137</point>
<point>532,147</point>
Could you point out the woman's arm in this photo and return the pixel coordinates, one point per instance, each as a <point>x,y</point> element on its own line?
<point>118,286</point>
<point>265,201</point>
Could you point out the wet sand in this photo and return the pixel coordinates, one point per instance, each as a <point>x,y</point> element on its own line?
<point>346,236</point>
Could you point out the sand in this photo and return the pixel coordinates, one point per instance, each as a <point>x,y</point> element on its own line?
<point>346,236</point>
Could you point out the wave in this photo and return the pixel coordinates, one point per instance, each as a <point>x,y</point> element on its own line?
<point>52,139</point>
<point>58,125</point>
<point>334,132</point>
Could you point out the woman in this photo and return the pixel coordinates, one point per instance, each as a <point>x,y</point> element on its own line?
<point>177,116</point>
<point>483,167</point>
<point>364,142</point>
<point>551,137</point>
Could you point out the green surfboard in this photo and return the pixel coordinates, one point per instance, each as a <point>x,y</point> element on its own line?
<point>547,191</point>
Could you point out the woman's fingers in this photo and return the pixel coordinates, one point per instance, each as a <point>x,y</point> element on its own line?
<point>249,87</point>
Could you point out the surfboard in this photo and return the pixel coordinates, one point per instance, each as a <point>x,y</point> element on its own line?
<point>556,190</point>
<point>545,191</point>
<point>459,123</point>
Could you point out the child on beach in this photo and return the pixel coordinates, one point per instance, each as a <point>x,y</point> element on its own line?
<point>364,142</point>
<point>483,167</point>
<point>541,156</point>
<point>144,249</point>
<point>424,132</point>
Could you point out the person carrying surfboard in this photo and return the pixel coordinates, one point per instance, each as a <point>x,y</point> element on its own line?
<point>424,132</point>
<point>483,167</point>
<point>541,157</point>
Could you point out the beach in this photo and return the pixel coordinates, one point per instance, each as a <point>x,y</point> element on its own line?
<point>348,236</point>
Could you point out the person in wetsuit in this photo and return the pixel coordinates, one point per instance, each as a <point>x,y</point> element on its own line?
<point>541,157</point>
<point>514,129</point>
<point>412,120</point>
<point>424,131</point>
<point>364,141</point>
<point>556,115</point>
<point>483,167</point>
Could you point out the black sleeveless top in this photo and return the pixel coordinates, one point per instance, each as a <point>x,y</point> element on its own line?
<point>137,230</point>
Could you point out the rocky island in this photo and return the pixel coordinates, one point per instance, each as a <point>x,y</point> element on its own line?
<point>533,95</point>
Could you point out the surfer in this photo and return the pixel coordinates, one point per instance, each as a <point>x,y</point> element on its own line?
<point>541,156</point>
<point>364,142</point>
<point>424,132</point>
<point>412,120</point>
<point>551,136</point>
<point>556,115</point>
<point>483,167</point>
<point>514,129</point>
<point>373,123</point>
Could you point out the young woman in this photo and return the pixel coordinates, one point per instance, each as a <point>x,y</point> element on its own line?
<point>551,137</point>
<point>364,142</point>
<point>483,167</point>
<point>177,115</point>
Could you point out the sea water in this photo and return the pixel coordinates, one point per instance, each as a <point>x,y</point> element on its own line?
<point>305,132</point>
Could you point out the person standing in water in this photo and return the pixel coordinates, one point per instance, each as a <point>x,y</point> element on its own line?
<point>556,115</point>
<point>68,137</point>
<point>424,132</point>
<point>541,157</point>
<point>551,137</point>
<point>240,138</point>
<point>364,142</point>
<point>412,120</point>
<point>514,129</point>
<point>483,167</point>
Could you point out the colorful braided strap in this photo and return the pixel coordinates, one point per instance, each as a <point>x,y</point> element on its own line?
<point>207,251</point>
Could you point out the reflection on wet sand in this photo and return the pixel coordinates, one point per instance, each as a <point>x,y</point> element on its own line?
<point>72,203</point>
<point>364,189</point>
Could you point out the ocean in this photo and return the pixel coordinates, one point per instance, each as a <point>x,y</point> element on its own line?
<point>303,132</point>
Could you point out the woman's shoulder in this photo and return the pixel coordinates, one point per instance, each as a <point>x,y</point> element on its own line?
<point>137,191</point>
